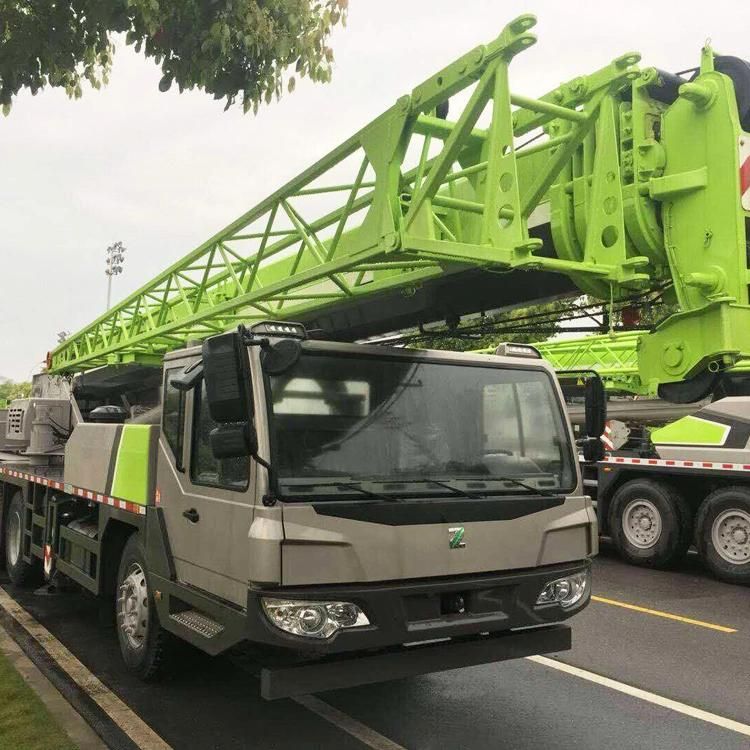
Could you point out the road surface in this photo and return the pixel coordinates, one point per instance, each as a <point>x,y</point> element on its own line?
<point>652,636</point>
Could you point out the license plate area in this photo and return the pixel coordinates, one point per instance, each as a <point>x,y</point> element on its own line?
<point>495,600</point>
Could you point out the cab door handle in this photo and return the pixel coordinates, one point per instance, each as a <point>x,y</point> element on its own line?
<point>192,515</point>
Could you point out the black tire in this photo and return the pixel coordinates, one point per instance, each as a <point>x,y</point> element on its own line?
<point>146,652</point>
<point>20,572</point>
<point>668,537</point>
<point>725,511</point>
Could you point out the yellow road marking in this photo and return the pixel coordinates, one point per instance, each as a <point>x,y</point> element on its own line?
<point>666,615</point>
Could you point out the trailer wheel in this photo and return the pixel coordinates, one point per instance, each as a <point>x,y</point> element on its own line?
<point>145,646</point>
<point>650,523</point>
<point>723,534</point>
<point>20,572</point>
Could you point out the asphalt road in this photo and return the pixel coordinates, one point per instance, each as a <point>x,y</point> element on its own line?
<point>214,703</point>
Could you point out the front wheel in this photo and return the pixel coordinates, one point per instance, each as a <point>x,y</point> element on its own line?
<point>650,523</point>
<point>145,646</point>
<point>20,572</point>
<point>723,534</point>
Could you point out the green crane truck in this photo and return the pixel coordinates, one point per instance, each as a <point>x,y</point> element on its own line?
<point>674,476</point>
<point>335,505</point>
<point>352,513</point>
<point>357,512</point>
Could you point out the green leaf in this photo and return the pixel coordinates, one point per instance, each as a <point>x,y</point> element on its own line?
<point>234,50</point>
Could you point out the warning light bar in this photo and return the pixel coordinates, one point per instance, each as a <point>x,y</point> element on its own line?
<point>518,350</point>
<point>279,328</point>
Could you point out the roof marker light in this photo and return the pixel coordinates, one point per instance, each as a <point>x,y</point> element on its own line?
<point>277,328</point>
<point>518,350</point>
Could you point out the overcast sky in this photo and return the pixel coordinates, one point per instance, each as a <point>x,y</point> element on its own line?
<point>163,172</point>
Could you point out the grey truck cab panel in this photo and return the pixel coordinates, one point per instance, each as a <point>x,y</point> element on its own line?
<point>394,495</point>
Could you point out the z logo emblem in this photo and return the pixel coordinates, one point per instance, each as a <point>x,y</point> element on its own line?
<point>456,537</point>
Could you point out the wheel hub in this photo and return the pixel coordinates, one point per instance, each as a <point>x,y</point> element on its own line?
<point>641,523</point>
<point>730,535</point>
<point>132,606</point>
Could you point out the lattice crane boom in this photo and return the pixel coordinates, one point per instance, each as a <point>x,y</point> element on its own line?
<point>628,186</point>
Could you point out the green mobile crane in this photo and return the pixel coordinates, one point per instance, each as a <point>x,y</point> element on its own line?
<point>636,182</point>
<point>674,475</point>
<point>195,455</point>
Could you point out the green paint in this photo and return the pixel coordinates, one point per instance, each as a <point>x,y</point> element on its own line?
<point>691,431</point>
<point>641,195</point>
<point>131,479</point>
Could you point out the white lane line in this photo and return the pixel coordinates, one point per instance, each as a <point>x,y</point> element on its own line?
<point>130,723</point>
<point>362,732</point>
<point>645,695</point>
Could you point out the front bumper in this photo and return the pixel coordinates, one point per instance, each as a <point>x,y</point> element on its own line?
<point>334,672</point>
<point>410,631</point>
<point>407,612</point>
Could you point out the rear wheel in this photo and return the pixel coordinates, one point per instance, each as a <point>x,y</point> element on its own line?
<point>650,523</point>
<point>20,572</point>
<point>723,534</point>
<point>145,646</point>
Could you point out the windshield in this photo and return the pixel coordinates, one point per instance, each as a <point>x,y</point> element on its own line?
<point>338,419</point>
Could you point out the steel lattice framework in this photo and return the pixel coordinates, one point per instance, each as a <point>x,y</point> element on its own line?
<point>413,197</point>
<point>614,356</point>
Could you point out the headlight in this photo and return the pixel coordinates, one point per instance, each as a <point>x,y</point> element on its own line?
<point>566,591</point>
<point>313,619</point>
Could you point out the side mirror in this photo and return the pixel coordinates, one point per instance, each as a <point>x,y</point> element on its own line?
<point>282,355</point>
<point>595,404</point>
<point>229,393</point>
<point>234,440</point>
<point>188,378</point>
<point>595,408</point>
<point>228,386</point>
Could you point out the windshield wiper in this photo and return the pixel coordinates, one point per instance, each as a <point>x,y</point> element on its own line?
<point>530,487</point>
<point>353,486</point>
<point>455,490</point>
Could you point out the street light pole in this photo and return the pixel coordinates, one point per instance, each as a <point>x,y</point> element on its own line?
<point>115,259</point>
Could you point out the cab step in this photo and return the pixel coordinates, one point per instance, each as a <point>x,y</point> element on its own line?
<point>198,622</point>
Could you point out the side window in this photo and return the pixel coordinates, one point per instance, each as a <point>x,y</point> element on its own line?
<point>230,473</point>
<point>173,417</point>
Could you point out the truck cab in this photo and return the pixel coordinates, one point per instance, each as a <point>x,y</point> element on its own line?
<point>348,497</point>
<point>323,501</point>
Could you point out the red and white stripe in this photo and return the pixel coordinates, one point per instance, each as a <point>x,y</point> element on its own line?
<point>69,489</point>
<point>745,172</point>
<point>674,463</point>
<point>606,437</point>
